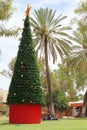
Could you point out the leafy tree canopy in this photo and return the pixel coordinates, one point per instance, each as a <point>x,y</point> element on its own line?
<point>6,11</point>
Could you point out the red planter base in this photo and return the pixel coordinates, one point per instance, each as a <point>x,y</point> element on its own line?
<point>25,114</point>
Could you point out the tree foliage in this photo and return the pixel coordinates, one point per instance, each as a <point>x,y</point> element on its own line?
<point>51,39</point>
<point>12,64</point>
<point>60,100</point>
<point>78,57</point>
<point>6,11</point>
<point>82,8</point>
<point>51,27</point>
<point>70,82</point>
<point>77,60</point>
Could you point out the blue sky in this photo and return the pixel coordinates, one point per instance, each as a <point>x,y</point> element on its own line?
<point>9,46</point>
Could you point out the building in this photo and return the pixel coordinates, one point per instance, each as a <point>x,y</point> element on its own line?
<point>76,108</point>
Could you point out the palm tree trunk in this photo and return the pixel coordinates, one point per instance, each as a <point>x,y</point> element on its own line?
<point>83,114</point>
<point>48,78</point>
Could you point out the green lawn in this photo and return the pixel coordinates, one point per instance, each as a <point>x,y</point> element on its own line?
<point>61,124</point>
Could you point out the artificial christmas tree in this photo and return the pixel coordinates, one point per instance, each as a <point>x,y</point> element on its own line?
<point>25,95</point>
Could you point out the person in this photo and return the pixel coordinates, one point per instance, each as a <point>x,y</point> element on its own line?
<point>51,117</point>
<point>45,117</point>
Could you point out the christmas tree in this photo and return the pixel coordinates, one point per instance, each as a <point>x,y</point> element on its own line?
<point>25,87</point>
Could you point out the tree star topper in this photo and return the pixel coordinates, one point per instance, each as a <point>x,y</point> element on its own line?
<point>28,10</point>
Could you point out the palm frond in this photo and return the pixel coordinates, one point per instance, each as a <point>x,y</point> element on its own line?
<point>77,60</point>
<point>47,24</point>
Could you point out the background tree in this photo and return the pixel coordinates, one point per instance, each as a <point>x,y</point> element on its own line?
<point>66,81</point>
<point>6,11</point>
<point>51,39</point>
<point>1,99</point>
<point>70,82</point>
<point>60,100</point>
<point>78,58</point>
<point>12,64</point>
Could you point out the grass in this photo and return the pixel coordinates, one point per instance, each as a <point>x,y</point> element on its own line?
<point>61,124</point>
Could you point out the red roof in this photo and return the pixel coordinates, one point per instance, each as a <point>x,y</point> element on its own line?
<point>76,104</point>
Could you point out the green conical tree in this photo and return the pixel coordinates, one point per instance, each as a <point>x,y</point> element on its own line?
<point>25,85</point>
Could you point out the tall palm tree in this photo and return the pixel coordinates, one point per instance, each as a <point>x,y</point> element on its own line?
<point>78,58</point>
<point>51,39</point>
<point>83,114</point>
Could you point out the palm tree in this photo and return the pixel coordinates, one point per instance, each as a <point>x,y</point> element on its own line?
<point>83,114</point>
<point>78,58</point>
<point>51,40</point>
